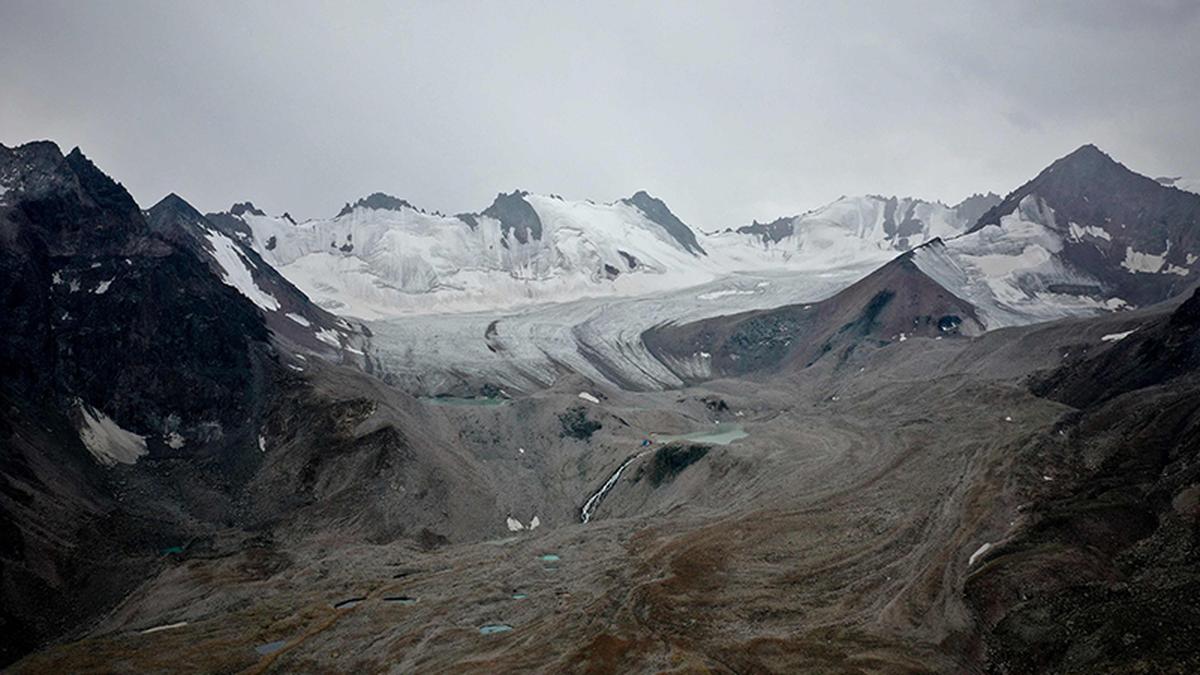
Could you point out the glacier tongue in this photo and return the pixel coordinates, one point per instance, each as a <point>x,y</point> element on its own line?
<point>599,338</point>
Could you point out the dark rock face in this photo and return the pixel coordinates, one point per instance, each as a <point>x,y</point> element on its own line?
<point>900,226</point>
<point>773,232</point>
<point>128,315</point>
<point>1106,575</point>
<point>971,209</point>
<point>102,310</point>
<point>470,219</point>
<point>81,266</point>
<point>181,224</point>
<point>242,208</point>
<point>1091,190</point>
<point>1154,355</point>
<point>516,216</point>
<point>657,212</point>
<point>378,201</point>
<point>896,302</point>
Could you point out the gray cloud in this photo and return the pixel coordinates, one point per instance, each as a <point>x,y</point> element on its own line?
<point>729,111</point>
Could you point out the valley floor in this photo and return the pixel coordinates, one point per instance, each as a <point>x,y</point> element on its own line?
<point>835,537</point>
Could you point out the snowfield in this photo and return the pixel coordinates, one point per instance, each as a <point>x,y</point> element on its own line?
<point>376,263</point>
<point>1009,271</point>
<point>570,286</point>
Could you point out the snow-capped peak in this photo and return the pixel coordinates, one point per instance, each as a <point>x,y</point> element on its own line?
<point>848,230</point>
<point>381,256</point>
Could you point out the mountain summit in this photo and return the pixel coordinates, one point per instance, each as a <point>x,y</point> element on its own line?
<point>1087,234</point>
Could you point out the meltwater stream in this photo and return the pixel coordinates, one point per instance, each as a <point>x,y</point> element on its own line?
<point>589,507</point>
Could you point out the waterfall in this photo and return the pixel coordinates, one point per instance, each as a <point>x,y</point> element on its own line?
<point>589,507</point>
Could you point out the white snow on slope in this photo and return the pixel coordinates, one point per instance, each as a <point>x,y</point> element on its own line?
<point>108,442</point>
<point>1007,271</point>
<point>1078,233</point>
<point>167,626</point>
<point>1149,263</point>
<point>374,263</point>
<point>236,271</point>
<point>380,263</point>
<point>1117,337</point>
<point>850,230</point>
<point>981,550</point>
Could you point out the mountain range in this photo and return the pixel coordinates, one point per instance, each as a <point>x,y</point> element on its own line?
<point>887,432</point>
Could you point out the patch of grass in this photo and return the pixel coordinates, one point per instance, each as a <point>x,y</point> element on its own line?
<point>575,424</point>
<point>670,460</point>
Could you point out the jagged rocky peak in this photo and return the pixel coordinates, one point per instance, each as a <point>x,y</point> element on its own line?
<point>971,209</point>
<point>31,168</point>
<point>516,216</point>
<point>73,205</point>
<point>177,204</point>
<point>242,208</point>
<point>773,232</point>
<point>172,212</point>
<point>104,191</point>
<point>1084,186</point>
<point>658,212</point>
<point>378,201</point>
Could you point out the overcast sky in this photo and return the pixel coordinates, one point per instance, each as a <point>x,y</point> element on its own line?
<point>728,111</point>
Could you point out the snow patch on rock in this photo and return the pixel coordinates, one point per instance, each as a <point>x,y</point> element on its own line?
<point>236,271</point>
<point>107,441</point>
<point>1117,337</point>
<point>979,552</point>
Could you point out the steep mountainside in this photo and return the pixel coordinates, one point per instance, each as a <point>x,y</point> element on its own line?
<point>1102,574</point>
<point>288,312</point>
<point>850,229</point>
<point>146,404</point>
<point>893,303</point>
<point>382,257</point>
<point>1085,235</point>
<point>116,345</point>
